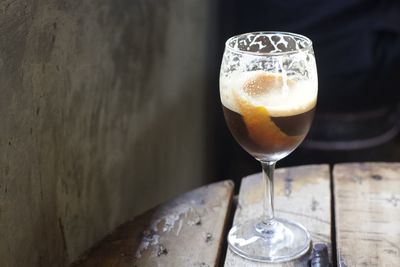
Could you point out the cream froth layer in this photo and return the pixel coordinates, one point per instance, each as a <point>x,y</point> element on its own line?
<point>279,95</point>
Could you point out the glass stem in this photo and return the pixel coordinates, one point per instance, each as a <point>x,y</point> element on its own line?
<point>268,169</point>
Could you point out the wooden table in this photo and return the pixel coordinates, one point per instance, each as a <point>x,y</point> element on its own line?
<point>353,208</point>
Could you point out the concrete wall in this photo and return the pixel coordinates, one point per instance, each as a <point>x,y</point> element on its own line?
<point>102,117</point>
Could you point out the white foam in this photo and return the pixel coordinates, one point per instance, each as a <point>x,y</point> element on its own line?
<point>291,98</point>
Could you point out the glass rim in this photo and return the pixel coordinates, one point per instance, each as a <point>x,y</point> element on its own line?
<point>236,50</point>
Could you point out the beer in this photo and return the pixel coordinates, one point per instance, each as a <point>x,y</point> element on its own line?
<point>268,90</point>
<point>268,114</point>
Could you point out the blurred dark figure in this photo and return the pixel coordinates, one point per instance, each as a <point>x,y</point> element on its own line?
<point>357,48</point>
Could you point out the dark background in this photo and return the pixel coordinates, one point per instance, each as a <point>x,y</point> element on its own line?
<point>357,48</point>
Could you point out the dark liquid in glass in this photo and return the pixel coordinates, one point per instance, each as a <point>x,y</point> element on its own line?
<point>293,130</point>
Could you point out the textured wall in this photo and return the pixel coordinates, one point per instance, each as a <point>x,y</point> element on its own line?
<point>102,117</point>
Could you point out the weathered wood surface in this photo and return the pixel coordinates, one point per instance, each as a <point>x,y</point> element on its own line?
<point>367,214</point>
<point>187,231</point>
<point>302,194</point>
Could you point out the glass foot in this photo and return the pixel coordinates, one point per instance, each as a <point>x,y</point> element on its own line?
<point>278,241</point>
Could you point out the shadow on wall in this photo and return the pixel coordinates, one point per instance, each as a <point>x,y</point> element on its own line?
<point>357,47</point>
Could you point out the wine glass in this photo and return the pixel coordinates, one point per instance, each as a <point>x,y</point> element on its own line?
<point>268,90</point>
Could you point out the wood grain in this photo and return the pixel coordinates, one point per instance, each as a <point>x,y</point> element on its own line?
<point>367,208</point>
<point>186,231</point>
<point>302,194</point>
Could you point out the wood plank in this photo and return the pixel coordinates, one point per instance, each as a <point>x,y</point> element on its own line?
<point>302,194</point>
<point>186,231</point>
<point>367,208</point>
